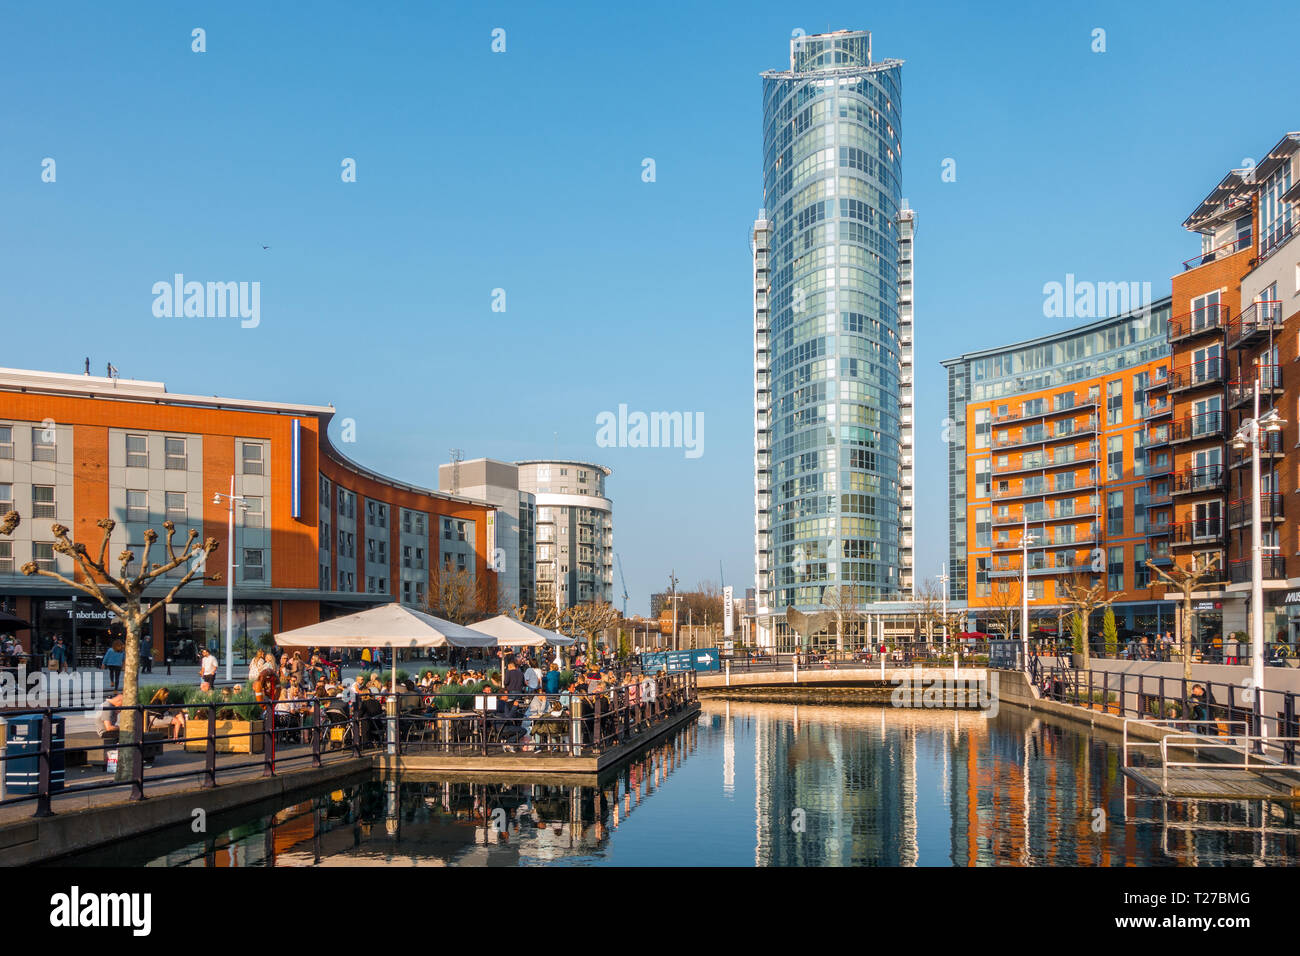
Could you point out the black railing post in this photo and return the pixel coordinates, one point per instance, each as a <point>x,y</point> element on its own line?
<point>268,741</point>
<point>483,726</point>
<point>356,727</point>
<point>43,764</point>
<point>210,771</point>
<point>137,769</point>
<point>315,731</point>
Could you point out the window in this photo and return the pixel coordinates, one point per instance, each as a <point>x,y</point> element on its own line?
<point>406,556</point>
<point>406,521</point>
<point>137,506</point>
<point>1115,512</point>
<point>43,444</point>
<point>1205,311</point>
<point>1274,213</point>
<point>1141,573</point>
<point>253,564</point>
<point>6,557</point>
<point>419,524</point>
<point>6,498</point>
<point>370,585</point>
<point>1140,509</point>
<point>137,451</point>
<point>460,530</point>
<point>43,505</point>
<point>43,555</point>
<point>983,528</point>
<point>370,513</point>
<point>381,516</point>
<point>1207,363</point>
<point>419,558</point>
<point>1114,457</point>
<point>6,441</point>
<point>253,517</point>
<point>1114,402</point>
<point>176,459</point>
<point>1115,568</point>
<point>446,528</point>
<point>252,458</point>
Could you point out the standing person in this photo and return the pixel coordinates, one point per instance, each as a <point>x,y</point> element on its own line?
<point>208,667</point>
<point>146,657</point>
<point>58,655</point>
<point>552,682</point>
<point>532,678</point>
<point>112,662</point>
<point>513,681</point>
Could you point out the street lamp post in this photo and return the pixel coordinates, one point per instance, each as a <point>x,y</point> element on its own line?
<point>1250,432</point>
<point>231,500</point>
<point>943,588</point>
<point>1024,590</point>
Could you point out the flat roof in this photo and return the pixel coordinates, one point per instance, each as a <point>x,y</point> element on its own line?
<point>567,461</point>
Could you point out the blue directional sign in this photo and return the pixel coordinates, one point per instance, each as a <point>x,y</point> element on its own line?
<point>705,659</point>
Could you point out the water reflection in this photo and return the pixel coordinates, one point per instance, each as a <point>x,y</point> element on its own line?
<point>770,784</point>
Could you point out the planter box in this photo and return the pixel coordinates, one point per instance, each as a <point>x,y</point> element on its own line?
<point>196,736</point>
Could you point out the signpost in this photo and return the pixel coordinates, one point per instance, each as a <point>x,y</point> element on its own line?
<point>706,659</point>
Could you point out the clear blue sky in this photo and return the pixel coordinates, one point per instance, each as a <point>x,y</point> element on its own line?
<point>522,171</point>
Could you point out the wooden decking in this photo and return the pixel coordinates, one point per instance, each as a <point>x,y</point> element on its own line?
<point>538,767</point>
<point>1218,783</point>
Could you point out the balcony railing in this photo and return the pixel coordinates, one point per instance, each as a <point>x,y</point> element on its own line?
<point>1271,505</point>
<point>1255,321</point>
<point>1242,390</point>
<point>1202,321</point>
<point>1195,480</point>
<point>1083,539</point>
<point>1196,427</point>
<point>1203,531</point>
<point>1270,447</point>
<point>1271,243</point>
<point>1080,430</point>
<point>1219,252</point>
<point>1208,371</point>
<point>1081,484</point>
<point>1273,567</point>
<point>1045,412</point>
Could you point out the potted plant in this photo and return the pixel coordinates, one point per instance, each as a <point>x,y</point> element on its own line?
<point>239,725</point>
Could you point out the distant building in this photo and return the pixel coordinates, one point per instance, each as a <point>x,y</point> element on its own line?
<point>497,483</point>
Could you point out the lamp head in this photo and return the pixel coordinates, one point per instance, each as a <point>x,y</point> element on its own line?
<point>216,499</point>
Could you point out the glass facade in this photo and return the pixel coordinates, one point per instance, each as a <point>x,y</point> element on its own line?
<point>830,472</point>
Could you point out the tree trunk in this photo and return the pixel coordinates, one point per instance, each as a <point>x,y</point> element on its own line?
<point>129,730</point>
<point>1186,612</point>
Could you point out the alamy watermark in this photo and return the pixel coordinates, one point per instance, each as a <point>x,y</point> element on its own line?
<point>940,688</point>
<point>49,689</point>
<point>653,430</point>
<point>212,300</point>
<point>1082,299</point>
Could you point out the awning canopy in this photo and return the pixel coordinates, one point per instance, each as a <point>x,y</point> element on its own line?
<point>512,632</point>
<point>388,625</point>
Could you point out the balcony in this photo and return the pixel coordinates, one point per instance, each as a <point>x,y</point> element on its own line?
<point>1081,484</point>
<point>1270,449</point>
<point>1242,390</point>
<point>1084,539</point>
<point>1082,457</point>
<point>1254,324</point>
<point>1271,507</point>
<point>1159,408</point>
<point>1272,243</point>
<point>1207,320</point>
<point>1087,512</point>
<point>1273,567</point>
<point>1219,252</point>
<point>1155,500</point>
<point>1184,534</point>
<point>1198,480</point>
<point>1079,430</point>
<point>1025,416</point>
<point>1208,371</point>
<point>1198,428</point>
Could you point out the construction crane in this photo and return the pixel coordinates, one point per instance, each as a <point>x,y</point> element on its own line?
<point>619,557</point>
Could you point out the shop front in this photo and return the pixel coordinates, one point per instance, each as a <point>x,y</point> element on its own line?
<point>194,625</point>
<point>87,629</point>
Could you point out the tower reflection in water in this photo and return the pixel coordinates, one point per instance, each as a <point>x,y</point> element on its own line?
<point>770,785</point>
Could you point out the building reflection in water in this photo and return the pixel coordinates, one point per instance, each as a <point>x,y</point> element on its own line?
<point>828,786</point>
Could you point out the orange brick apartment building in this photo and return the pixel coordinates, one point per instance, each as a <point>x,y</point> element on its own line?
<point>317,535</point>
<point>1050,436</point>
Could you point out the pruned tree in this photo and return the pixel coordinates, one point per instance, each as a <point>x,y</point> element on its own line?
<point>1004,604</point>
<point>1186,581</point>
<point>590,620</point>
<point>452,595</point>
<point>131,609</point>
<point>843,602</point>
<point>928,597</point>
<point>1083,597</point>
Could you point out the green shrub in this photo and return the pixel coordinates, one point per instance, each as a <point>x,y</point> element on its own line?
<point>178,694</point>
<point>240,706</point>
<point>1077,633</point>
<point>1110,634</point>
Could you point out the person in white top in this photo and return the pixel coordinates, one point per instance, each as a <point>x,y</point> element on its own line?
<point>532,678</point>
<point>208,666</point>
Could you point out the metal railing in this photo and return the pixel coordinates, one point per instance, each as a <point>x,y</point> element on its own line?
<point>1162,700</point>
<point>1218,252</point>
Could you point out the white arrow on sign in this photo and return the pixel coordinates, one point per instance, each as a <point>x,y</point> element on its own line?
<point>706,658</point>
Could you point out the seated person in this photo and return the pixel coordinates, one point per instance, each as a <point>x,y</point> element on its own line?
<point>112,707</point>
<point>161,713</point>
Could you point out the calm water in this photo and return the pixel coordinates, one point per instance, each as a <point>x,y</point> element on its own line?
<point>756,784</point>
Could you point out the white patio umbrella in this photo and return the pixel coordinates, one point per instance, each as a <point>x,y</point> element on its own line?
<point>513,632</point>
<point>388,625</point>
